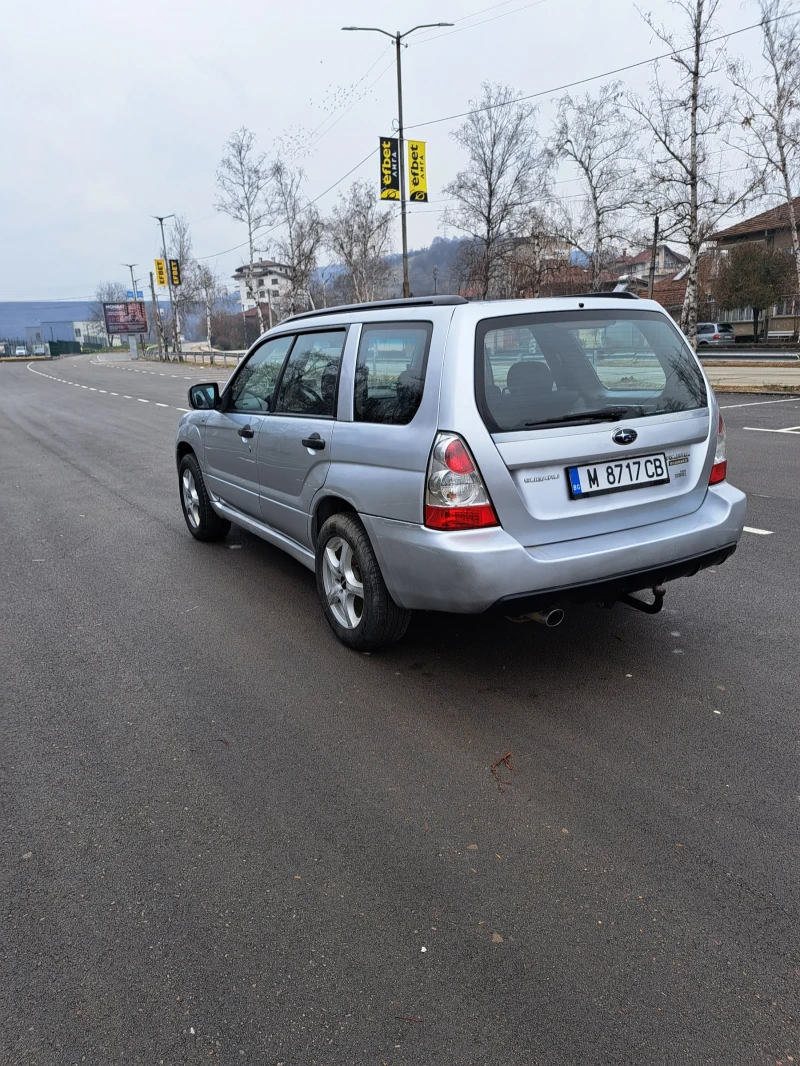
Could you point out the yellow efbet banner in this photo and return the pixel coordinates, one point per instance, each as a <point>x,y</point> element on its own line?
<point>161,271</point>
<point>417,172</point>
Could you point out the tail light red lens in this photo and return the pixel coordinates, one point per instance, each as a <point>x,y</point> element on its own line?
<point>457,458</point>
<point>716,336</point>
<point>719,471</point>
<point>460,517</point>
<point>455,495</point>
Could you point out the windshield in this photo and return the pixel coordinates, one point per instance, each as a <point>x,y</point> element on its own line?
<point>578,367</point>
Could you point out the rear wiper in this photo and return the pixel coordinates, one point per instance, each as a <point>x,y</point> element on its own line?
<point>585,418</point>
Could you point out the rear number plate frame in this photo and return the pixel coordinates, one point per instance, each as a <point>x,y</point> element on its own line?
<point>617,475</point>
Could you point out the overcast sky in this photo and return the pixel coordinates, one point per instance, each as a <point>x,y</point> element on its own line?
<point>113,111</point>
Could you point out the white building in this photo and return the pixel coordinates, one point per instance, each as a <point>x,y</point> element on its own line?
<point>265,282</point>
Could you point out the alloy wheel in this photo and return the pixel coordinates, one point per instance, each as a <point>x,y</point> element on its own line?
<point>191,500</point>
<point>344,588</point>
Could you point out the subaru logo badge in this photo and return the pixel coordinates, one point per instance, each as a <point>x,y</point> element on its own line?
<point>624,436</point>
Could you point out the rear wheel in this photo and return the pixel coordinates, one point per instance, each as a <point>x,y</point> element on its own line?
<point>354,596</point>
<point>203,521</point>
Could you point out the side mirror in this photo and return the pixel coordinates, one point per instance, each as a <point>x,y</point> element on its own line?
<point>204,397</point>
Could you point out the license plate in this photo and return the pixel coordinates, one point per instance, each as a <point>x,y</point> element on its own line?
<point>617,475</point>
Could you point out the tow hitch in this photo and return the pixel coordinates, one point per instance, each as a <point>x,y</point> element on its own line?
<point>659,592</point>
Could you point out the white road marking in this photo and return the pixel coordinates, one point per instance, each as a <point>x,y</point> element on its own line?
<point>124,397</point>
<point>101,390</point>
<point>759,429</point>
<point>92,388</point>
<point>139,398</point>
<point>184,409</point>
<point>162,405</point>
<point>762,532</point>
<point>758,403</point>
<point>113,394</point>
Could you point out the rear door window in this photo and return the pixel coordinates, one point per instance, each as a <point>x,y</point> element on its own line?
<point>308,385</point>
<point>390,371</point>
<point>541,369</point>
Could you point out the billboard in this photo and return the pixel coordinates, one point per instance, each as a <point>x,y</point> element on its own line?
<point>161,272</point>
<point>417,172</point>
<point>175,271</point>
<point>390,168</point>
<point>129,317</point>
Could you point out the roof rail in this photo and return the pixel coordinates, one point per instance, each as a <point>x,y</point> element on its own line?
<point>379,305</point>
<point>607,296</point>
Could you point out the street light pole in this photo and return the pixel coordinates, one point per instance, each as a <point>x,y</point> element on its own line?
<point>175,325</point>
<point>130,267</point>
<point>398,39</point>
<point>403,223</point>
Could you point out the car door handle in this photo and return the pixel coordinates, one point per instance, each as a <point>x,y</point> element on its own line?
<point>246,431</point>
<point>314,441</point>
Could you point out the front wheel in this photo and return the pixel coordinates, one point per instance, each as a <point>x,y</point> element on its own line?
<point>354,596</point>
<point>203,521</point>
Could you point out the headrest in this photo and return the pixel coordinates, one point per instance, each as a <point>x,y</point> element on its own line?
<point>528,375</point>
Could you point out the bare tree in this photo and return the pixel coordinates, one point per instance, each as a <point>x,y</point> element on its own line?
<point>597,135</point>
<point>299,245</point>
<point>506,168</point>
<point>683,123</point>
<point>185,294</point>
<point>242,185</point>
<point>208,289</point>
<point>358,234</point>
<point>769,109</point>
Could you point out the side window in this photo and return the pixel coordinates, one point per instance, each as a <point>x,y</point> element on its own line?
<point>254,385</point>
<point>390,371</point>
<point>308,385</point>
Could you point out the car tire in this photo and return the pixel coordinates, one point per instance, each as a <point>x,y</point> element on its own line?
<point>202,520</point>
<point>346,563</point>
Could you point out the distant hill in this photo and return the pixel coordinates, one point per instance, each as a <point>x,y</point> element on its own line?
<point>421,264</point>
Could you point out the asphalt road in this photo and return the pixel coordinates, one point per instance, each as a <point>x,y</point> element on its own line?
<point>228,838</point>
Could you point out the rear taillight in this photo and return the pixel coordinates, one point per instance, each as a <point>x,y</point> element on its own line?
<point>455,495</point>
<point>716,336</point>
<point>719,471</point>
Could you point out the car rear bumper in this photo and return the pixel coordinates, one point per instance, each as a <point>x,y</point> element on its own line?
<point>479,570</point>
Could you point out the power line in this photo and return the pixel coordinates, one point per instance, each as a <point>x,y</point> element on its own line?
<point>594,77</point>
<point>483,22</point>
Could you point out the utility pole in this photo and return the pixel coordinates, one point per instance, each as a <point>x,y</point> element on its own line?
<point>652,280</point>
<point>176,329</point>
<point>157,316</point>
<point>398,39</point>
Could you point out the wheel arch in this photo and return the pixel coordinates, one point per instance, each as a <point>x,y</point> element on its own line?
<point>183,448</point>
<point>326,506</point>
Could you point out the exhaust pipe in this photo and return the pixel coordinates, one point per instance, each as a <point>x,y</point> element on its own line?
<point>552,617</point>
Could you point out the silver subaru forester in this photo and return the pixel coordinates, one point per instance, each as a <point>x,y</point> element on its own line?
<point>434,454</point>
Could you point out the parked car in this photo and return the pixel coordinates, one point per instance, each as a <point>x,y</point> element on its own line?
<point>714,333</point>
<point>20,350</point>
<point>434,454</point>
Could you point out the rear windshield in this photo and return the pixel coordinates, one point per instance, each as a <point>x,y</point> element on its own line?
<point>725,327</point>
<point>570,366</point>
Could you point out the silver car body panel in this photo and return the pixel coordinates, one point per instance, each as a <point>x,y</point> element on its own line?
<point>545,539</point>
